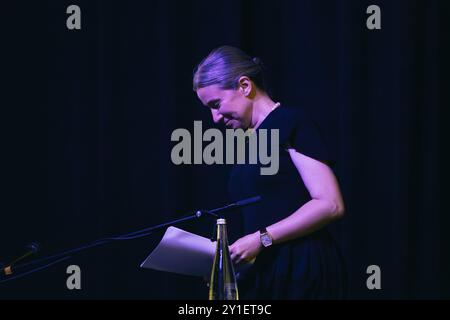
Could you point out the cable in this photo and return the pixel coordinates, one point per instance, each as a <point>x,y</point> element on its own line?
<point>128,236</point>
<point>33,270</point>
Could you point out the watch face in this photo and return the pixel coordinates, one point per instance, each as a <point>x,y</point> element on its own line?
<point>266,241</point>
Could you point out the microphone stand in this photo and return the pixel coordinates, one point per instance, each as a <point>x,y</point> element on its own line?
<point>7,272</point>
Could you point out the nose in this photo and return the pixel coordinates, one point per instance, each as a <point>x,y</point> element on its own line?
<point>217,117</point>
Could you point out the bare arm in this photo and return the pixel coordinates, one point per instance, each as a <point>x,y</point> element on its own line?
<point>325,206</point>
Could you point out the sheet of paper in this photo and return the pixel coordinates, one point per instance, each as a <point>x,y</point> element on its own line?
<point>182,252</point>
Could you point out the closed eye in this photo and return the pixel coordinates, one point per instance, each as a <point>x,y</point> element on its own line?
<point>214,104</point>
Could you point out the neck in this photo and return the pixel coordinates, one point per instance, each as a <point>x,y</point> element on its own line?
<point>262,106</point>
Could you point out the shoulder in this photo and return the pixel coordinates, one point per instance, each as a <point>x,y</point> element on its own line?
<point>289,121</point>
<point>290,117</point>
<point>299,130</point>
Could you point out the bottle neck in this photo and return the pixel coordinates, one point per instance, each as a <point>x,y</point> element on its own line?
<point>222,232</point>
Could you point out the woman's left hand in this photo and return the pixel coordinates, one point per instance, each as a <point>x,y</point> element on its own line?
<point>246,248</point>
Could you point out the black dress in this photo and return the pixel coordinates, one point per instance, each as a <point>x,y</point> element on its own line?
<point>310,267</point>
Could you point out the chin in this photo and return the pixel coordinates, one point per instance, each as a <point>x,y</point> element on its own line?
<point>235,124</point>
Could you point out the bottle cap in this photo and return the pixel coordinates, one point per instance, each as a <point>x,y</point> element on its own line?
<point>221,221</point>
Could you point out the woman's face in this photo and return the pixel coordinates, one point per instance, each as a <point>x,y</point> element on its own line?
<point>230,107</point>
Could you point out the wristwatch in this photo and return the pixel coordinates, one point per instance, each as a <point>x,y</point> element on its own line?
<point>266,239</point>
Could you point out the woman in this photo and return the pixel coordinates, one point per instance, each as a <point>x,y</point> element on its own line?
<point>296,258</point>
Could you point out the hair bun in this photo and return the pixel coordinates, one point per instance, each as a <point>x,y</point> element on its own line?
<point>257,61</point>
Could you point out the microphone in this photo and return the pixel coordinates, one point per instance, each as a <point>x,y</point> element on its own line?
<point>246,202</point>
<point>232,206</point>
<point>33,248</point>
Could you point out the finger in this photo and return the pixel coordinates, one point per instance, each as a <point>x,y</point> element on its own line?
<point>235,258</point>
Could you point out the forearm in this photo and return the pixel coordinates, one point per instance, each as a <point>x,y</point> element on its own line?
<point>312,216</point>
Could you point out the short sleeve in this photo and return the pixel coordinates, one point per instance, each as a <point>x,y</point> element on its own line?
<point>306,137</point>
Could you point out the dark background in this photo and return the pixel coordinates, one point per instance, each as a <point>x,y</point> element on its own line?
<point>88,114</point>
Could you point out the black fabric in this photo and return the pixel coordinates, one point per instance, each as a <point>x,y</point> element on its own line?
<point>88,116</point>
<point>307,268</point>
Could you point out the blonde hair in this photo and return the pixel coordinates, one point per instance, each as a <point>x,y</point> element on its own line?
<point>224,66</point>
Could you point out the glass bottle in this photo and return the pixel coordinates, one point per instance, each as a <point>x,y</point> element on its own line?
<point>222,285</point>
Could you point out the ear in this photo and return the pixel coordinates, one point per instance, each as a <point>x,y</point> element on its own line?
<point>245,86</point>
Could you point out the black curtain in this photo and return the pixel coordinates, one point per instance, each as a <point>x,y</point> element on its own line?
<point>88,116</point>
